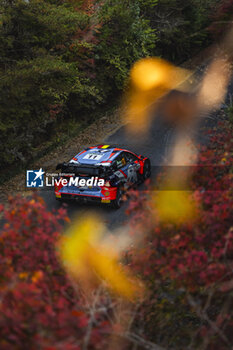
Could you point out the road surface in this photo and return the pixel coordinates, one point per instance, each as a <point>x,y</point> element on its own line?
<point>156,145</point>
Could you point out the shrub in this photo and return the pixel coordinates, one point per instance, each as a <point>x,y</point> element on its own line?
<point>61,60</point>
<point>180,26</point>
<point>40,307</point>
<point>221,19</point>
<point>188,267</point>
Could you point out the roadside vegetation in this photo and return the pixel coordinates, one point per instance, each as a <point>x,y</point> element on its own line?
<point>165,281</point>
<point>230,110</point>
<point>174,291</point>
<point>187,263</point>
<point>63,61</point>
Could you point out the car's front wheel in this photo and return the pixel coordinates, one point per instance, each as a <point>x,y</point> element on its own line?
<point>116,203</point>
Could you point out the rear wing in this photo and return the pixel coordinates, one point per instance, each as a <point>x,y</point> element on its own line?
<point>85,170</point>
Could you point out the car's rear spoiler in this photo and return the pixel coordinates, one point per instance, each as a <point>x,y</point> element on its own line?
<point>79,169</point>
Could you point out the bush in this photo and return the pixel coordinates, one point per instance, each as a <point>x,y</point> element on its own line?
<point>221,19</point>
<point>40,308</point>
<point>181,27</point>
<point>188,267</point>
<point>124,37</point>
<point>61,60</point>
<point>230,114</point>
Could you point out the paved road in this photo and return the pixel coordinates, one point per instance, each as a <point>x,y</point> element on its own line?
<point>156,145</point>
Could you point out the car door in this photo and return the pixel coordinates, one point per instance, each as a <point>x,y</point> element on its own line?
<point>133,167</point>
<point>121,166</point>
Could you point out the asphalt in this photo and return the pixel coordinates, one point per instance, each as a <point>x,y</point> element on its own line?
<point>154,145</point>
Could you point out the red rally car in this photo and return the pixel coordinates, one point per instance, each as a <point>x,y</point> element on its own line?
<point>101,174</point>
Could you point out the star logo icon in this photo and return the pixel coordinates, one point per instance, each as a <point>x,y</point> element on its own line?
<point>39,174</point>
<point>35,178</point>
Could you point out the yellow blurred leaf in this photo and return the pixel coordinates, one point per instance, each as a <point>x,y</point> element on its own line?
<point>23,275</point>
<point>150,73</point>
<point>150,78</point>
<point>108,269</point>
<point>88,258</point>
<point>37,276</point>
<point>174,206</point>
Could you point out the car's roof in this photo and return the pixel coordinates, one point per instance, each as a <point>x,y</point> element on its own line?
<point>95,155</point>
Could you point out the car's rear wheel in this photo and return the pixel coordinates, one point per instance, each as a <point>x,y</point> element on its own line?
<point>116,203</point>
<point>146,170</point>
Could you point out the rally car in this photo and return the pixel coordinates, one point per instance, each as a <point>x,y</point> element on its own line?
<point>119,168</point>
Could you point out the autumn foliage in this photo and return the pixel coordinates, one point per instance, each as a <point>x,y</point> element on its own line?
<point>40,308</point>
<point>185,267</point>
<point>188,266</point>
